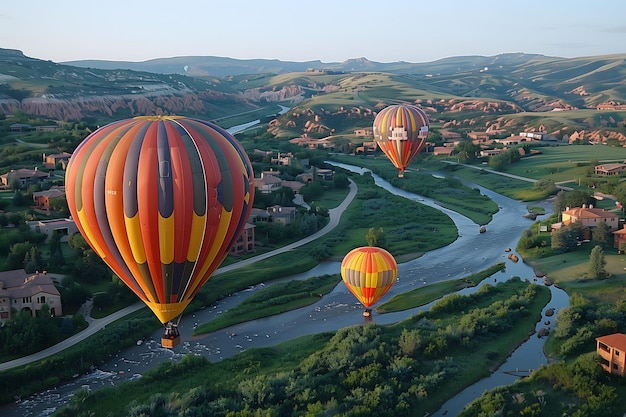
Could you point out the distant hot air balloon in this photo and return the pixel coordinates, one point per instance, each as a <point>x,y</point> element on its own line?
<point>400,131</point>
<point>161,199</point>
<point>368,272</point>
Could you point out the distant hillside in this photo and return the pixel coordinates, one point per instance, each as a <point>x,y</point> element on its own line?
<point>214,87</point>
<point>220,66</point>
<point>64,92</point>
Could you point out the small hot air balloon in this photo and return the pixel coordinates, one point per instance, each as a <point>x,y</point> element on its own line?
<point>161,199</point>
<point>368,272</point>
<point>400,131</point>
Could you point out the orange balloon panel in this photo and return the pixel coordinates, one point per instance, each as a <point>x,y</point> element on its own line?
<point>161,200</point>
<point>368,272</point>
<point>400,131</point>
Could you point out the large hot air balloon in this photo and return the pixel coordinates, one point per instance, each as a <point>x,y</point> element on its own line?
<point>368,272</point>
<point>400,131</point>
<point>161,199</point>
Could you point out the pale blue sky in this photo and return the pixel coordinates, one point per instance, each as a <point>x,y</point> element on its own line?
<point>328,30</point>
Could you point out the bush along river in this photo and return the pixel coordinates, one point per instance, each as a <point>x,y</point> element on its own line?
<point>471,252</point>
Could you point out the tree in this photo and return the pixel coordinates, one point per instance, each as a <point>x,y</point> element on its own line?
<point>19,199</point>
<point>579,198</point>
<point>18,253</point>
<point>591,169</point>
<point>560,202</point>
<point>308,224</point>
<point>311,191</point>
<point>375,237</point>
<point>600,234</point>
<point>466,151</point>
<point>15,184</point>
<point>546,186</point>
<point>341,181</point>
<point>597,263</point>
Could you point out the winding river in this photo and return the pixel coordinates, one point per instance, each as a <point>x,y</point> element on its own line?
<point>471,252</point>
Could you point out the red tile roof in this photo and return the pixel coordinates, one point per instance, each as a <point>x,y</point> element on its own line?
<point>589,213</point>
<point>615,340</point>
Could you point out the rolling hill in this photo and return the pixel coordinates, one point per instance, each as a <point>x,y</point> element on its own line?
<point>214,87</point>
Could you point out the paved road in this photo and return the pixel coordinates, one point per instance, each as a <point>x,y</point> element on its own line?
<point>97,324</point>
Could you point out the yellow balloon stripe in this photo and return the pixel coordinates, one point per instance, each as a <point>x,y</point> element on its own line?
<point>224,224</point>
<point>134,238</point>
<point>166,241</point>
<point>82,219</point>
<point>198,224</point>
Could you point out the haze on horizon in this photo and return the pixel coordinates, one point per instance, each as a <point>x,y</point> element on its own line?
<point>325,30</point>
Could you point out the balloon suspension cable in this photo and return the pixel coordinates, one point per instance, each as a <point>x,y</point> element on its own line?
<point>179,319</point>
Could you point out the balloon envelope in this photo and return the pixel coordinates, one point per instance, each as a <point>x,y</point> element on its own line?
<point>368,272</point>
<point>161,200</point>
<point>400,131</point>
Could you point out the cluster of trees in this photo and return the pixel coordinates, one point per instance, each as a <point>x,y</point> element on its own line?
<point>468,152</point>
<point>362,370</point>
<point>575,389</point>
<point>17,242</point>
<point>25,334</point>
<point>579,324</point>
<point>502,160</point>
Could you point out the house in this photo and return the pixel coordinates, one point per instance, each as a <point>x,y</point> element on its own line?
<point>280,214</point>
<point>273,214</point>
<point>20,127</point>
<point>312,143</point>
<point>47,128</point>
<point>609,169</point>
<point>513,140</point>
<point>590,217</point>
<point>289,159</point>
<point>447,135</point>
<point>364,132</point>
<point>443,150</point>
<point>258,215</point>
<point>619,236</point>
<point>268,183</point>
<point>52,160</point>
<point>492,152</point>
<point>246,242</point>
<point>295,186</point>
<point>313,174</point>
<point>325,174</point>
<point>534,135</point>
<point>24,176</point>
<point>20,291</point>
<point>479,137</point>
<point>610,105</point>
<point>286,160</point>
<point>612,351</point>
<point>41,199</point>
<point>366,148</point>
<point>61,227</point>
